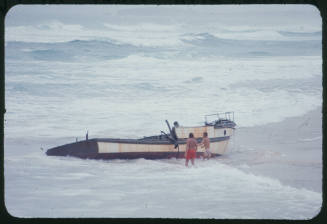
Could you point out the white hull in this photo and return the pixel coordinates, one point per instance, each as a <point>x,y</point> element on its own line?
<point>218,148</point>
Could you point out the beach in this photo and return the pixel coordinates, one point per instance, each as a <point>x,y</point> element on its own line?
<point>266,173</point>
<point>290,151</point>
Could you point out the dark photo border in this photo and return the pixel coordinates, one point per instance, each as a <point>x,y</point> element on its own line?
<point>5,6</point>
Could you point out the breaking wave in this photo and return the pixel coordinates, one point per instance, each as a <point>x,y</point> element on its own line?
<point>193,46</point>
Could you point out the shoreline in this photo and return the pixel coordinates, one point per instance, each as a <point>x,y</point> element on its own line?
<point>290,150</point>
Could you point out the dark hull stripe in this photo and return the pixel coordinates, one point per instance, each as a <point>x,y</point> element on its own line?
<point>138,155</point>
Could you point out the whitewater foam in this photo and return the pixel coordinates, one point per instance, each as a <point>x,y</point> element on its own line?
<point>146,188</point>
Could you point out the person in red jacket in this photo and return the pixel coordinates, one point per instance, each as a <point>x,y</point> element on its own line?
<point>191,147</point>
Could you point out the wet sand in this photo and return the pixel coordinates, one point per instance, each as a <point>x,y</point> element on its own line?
<point>290,151</point>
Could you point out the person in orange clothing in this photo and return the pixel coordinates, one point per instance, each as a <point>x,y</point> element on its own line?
<point>191,147</point>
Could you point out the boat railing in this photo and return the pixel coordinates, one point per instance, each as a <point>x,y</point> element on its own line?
<point>220,116</point>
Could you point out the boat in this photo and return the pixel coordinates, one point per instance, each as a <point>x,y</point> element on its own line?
<point>163,146</point>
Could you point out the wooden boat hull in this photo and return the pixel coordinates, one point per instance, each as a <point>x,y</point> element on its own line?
<point>154,147</point>
<point>132,149</point>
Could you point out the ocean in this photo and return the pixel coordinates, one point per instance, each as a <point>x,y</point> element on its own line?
<point>63,83</point>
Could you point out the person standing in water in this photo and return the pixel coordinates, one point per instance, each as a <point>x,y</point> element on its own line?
<point>191,147</point>
<point>206,144</point>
